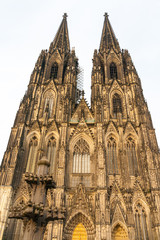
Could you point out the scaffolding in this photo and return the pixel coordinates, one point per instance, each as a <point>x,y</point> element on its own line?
<point>80,79</point>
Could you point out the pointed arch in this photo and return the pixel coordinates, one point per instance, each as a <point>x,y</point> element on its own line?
<point>49,102</point>
<point>84,136</point>
<point>79,232</point>
<point>75,220</point>
<point>81,157</point>
<point>132,156</point>
<point>119,231</point>
<point>141,215</point>
<point>51,153</point>
<point>32,155</point>
<point>117,104</point>
<point>54,71</point>
<point>113,71</point>
<point>112,162</point>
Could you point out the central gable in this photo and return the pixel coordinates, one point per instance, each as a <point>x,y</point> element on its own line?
<point>82,111</point>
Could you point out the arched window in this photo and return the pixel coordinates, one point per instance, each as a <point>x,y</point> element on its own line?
<point>81,157</point>
<point>54,70</point>
<point>141,223</point>
<point>33,146</point>
<point>131,155</point>
<point>112,156</point>
<point>113,71</point>
<point>117,105</point>
<point>48,106</point>
<point>51,153</point>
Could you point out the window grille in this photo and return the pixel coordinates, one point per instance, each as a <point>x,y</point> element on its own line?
<point>112,156</point>
<point>131,154</point>
<point>54,71</point>
<point>117,105</point>
<point>81,157</point>
<point>51,153</point>
<point>33,145</point>
<point>113,71</point>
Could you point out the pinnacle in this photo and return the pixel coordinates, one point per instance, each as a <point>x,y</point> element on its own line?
<point>106,15</point>
<point>65,15</point>
<point>108,38</point>
<point>61,40</point>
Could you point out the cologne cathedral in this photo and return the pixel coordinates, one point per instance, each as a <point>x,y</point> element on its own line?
<point>73,171</point>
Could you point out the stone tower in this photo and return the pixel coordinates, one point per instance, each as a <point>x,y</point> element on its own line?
<point>75,172</point>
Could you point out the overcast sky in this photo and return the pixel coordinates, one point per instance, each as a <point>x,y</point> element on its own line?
<point>27,27</point>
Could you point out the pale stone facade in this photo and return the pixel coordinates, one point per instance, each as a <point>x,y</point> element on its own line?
<point>77,172</point>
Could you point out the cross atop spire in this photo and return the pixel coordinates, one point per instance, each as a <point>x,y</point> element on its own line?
<point>108,38</point>
<point>106,15</point>
<point>61,40</point>
<point>65,15</point>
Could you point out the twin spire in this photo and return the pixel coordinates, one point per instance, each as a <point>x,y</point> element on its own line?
<point>61,40</point>
<point>108,38</point>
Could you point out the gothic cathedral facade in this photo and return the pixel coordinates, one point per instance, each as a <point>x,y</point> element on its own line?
<point>71,171</point>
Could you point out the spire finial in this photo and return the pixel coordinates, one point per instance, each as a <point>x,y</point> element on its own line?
<point>106,15</point>
<point>65,15</point>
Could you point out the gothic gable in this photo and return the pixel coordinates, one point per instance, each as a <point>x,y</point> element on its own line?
<point>82,111</point>
<point>50,86</point>
<point>129,130</point>
<point>118,216</point>
<point>138,193</point>
<point>113,56</point>
<point>116,196</point>
<point>35,127</point>
<point>22,195</point>
<point>53,128</point>
<point>115,88</point>
<point>111,129</point>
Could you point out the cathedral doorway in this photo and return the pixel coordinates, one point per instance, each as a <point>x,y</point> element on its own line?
<point>119,233</point>
<point>79,232</point>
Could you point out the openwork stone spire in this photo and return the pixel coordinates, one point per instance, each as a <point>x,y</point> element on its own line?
<point>61,40</point>
<point>108,38</point>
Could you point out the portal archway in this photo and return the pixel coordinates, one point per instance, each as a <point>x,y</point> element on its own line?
<point>79,232</point>
<point>79,225</point>
<point>119,233</point>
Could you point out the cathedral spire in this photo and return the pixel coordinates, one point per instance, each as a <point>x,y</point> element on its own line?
<point>108,38</point>
<point>61,40</point>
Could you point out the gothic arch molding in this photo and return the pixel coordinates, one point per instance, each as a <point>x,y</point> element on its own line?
<point>54,58</point>
<point>76,219</point>
<point>142,202</point>
<point>54,134</point>
<point>119,231</point>
<point>87,138</point>
<point>112,135</point>
<point>33,134</point>
<point>116,89</point>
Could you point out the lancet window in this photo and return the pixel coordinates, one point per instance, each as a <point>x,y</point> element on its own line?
<point>48,106</point>
<point>81,157</point>
<point>54,70</point>
<point>51,152</point>
<point>117,105</point>
<point>113,71</point>
<point>141,223</point>
<point>33,147</point>
<point>112,156</point>
<point>131,155</point>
